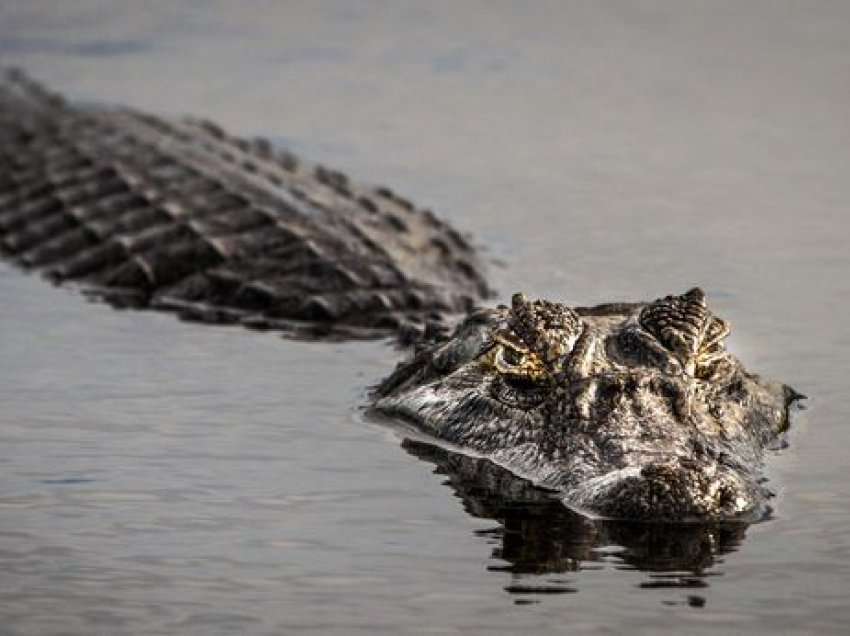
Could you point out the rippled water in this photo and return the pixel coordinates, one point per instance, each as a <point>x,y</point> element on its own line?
<point>162,477</point>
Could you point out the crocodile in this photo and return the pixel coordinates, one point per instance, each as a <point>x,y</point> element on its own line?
<point>626,410</point>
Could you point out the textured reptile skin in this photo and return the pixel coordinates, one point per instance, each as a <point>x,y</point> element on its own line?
<point>177,214</point>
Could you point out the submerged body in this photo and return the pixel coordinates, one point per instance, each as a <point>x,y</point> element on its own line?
<point>630,411</point>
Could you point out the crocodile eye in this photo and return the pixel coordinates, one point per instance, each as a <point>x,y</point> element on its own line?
<point>522,380</point>
<point>510,356</point>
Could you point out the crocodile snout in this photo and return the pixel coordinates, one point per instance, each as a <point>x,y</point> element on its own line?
<point>672,491</point>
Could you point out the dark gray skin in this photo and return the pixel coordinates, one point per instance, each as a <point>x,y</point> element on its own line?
<point>629,411</point>
<point>176,214</point>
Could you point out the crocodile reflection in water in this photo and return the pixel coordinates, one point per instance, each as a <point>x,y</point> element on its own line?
<point>537,534</point>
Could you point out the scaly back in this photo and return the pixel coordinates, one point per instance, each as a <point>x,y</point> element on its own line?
<point>179,215</point>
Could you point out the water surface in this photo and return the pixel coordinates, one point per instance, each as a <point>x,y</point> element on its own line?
<point>162,477</point>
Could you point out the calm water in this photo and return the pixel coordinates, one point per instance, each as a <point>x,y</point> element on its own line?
<point>161,477</point>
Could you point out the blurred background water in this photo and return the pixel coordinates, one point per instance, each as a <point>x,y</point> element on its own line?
<point>161,477</point>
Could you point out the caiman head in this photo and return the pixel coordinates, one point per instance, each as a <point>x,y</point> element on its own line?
<point>629,411</point>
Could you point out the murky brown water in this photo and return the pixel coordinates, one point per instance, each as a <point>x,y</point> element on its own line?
<point>161,477</point>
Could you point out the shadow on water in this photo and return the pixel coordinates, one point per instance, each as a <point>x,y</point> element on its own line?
<point>538,535</point>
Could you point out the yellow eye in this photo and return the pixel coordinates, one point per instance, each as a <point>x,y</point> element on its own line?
<point>521,380</point>
<point>516,364</point>
<point>511,356</point>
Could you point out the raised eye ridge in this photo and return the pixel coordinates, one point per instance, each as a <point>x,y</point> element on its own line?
<point>680,331</point>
